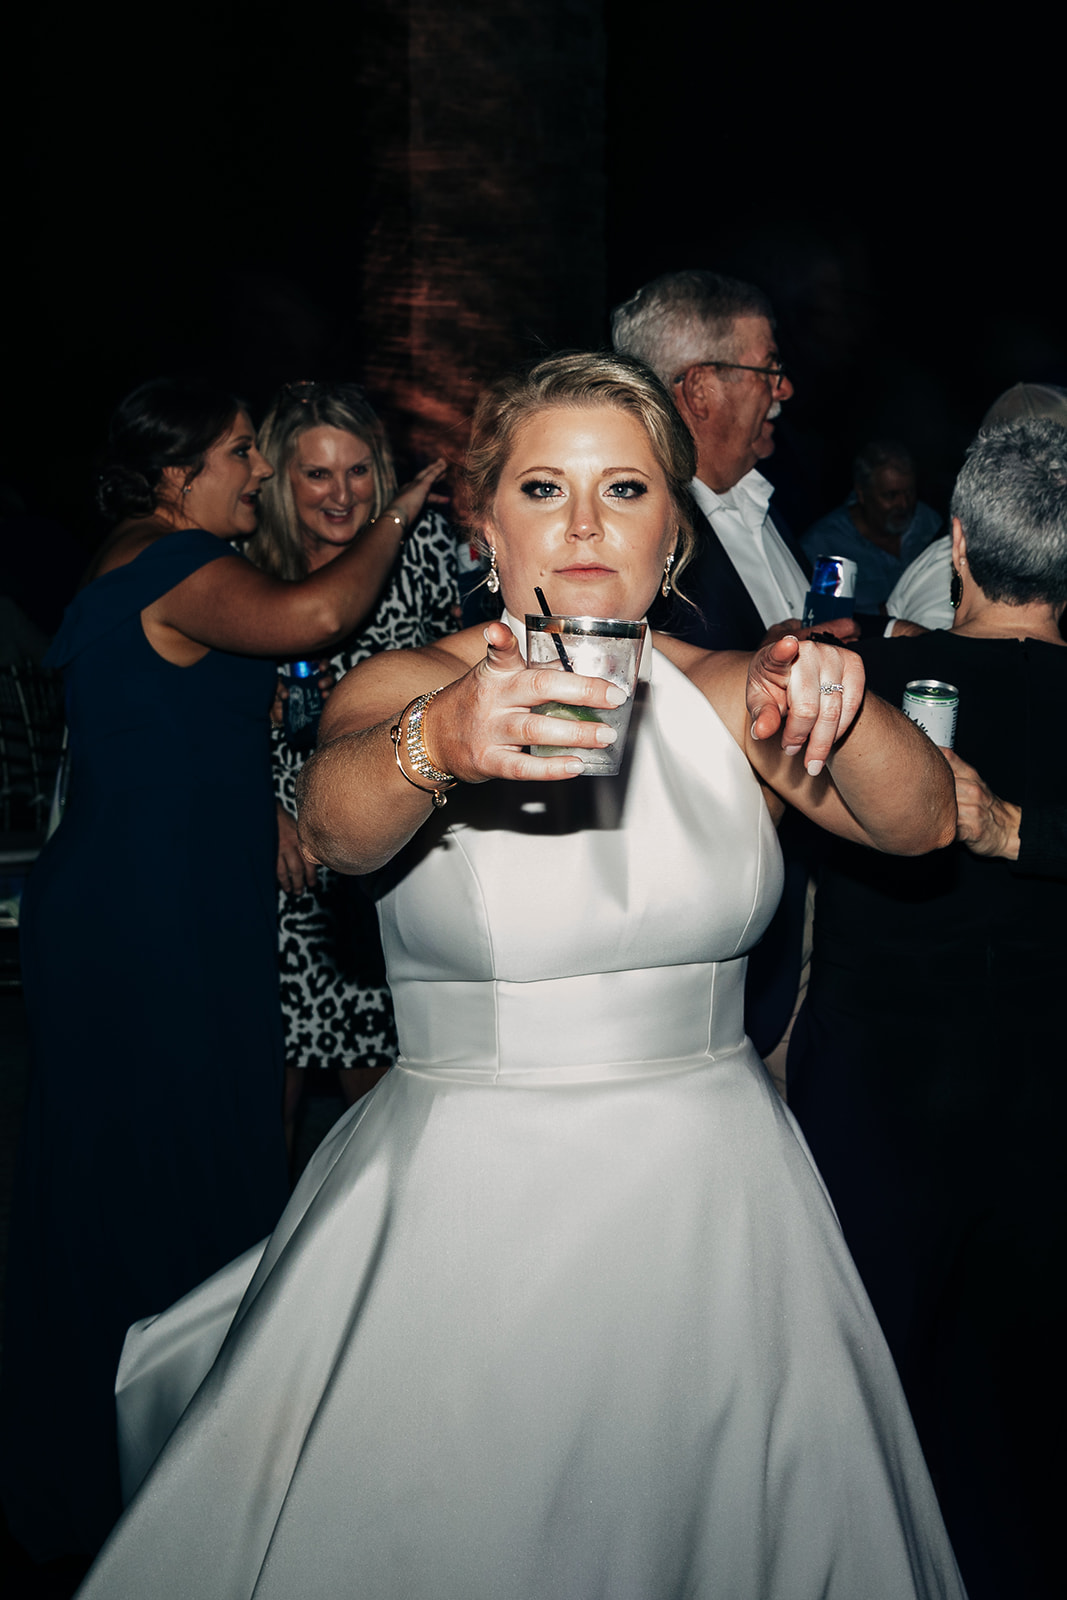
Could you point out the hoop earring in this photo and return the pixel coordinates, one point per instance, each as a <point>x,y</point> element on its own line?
<point>955,590</point>
<point>665,586</point>
<point>492,582</point>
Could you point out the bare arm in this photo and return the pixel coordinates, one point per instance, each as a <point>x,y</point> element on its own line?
<point>230,605</point>
<point>847,760</point>
<point>357,811</point>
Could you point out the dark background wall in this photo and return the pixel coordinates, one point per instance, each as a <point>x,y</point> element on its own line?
<point>419,195</point>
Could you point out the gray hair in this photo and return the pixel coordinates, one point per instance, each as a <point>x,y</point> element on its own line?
<point>880,453</point>
<point>681,318</point>
<point>1011,499</point>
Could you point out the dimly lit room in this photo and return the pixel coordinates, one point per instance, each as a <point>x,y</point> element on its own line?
<point>623,1190</point>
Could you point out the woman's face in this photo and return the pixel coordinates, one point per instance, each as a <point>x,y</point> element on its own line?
<point>222,498</point>
<point>332,478</point>
<point>583,511</point>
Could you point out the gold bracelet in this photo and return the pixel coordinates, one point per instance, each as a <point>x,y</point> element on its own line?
<point>394,516</point>
<point>416,749</point>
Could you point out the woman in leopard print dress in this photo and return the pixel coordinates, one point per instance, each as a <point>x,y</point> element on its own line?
<point>333,473</point>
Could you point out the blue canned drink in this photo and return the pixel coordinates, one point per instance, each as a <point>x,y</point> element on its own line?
<point>832,592</point>
<point>303,708</point>
<point>933,704</point>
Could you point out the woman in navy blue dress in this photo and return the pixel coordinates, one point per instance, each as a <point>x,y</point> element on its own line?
<point>153,1149</point>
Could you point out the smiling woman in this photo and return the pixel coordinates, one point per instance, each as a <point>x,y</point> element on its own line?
<point>333,487</point>
<point>332,477</point>
<point>583,1323</point>
<point>222,495</point>
<point>153,1146</point>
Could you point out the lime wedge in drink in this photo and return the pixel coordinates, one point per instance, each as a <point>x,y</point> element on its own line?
<point>556,708</point>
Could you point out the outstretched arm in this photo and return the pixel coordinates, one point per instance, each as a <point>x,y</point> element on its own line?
<point>847,760</point>
<point>357,809</point>
<point>230,605</point>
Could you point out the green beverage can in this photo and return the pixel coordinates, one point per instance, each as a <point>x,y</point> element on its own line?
<point>933,705</point>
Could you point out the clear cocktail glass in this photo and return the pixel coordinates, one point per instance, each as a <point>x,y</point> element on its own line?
<point>596,647</point>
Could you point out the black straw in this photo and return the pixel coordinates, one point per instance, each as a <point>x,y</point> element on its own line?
<point>556,640</point>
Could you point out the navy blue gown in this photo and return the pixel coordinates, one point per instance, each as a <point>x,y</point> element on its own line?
<point>153,1150</point>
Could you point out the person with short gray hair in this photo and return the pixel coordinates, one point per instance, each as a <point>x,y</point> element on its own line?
<point>923,591</point>
<point>680,318</point>
<point>925,1065</point>
<point>882,525</point>
<point>1010,500</point>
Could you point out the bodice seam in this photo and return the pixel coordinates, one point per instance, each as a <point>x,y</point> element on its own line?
<point>455,835</point>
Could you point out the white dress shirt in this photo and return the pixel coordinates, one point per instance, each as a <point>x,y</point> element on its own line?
<point>769,572</point>
<point>922,594</point>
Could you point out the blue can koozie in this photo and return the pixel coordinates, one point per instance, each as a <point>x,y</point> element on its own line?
<point>303,708</point>
<point>833,586</point>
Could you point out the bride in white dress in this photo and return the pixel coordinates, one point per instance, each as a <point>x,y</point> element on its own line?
<point>561,1311</point>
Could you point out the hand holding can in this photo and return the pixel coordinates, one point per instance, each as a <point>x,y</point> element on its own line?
<point>832,592</point>
<point>303,706</point>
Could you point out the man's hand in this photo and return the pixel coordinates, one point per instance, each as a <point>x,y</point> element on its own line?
<point>987,825</point>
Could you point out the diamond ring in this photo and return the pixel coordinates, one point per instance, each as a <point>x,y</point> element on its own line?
<point>831,688</point>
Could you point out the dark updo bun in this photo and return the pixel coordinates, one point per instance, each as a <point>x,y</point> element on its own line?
<point>167,422</point>
<point>121,493</point>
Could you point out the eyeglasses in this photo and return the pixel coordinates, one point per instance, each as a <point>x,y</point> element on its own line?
<point>775,373</point>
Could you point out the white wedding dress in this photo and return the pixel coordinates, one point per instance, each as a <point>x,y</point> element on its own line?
<point>561,1311</point>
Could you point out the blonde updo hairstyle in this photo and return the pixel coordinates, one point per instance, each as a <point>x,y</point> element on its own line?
<point>277,546</point>
<point>580,381</point>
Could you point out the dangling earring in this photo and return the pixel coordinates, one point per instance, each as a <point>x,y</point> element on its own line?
<point>955,590</point>
<point>492,583</point>
<point>665,586</point>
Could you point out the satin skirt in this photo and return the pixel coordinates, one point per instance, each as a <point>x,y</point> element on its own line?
<point>583,1332</point>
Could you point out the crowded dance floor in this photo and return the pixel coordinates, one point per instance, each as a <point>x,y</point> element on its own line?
<point>532,839</point>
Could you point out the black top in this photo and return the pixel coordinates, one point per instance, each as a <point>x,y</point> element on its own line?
<point>952,913</point>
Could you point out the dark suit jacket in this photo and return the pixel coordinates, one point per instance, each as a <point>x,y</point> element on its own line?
<point>727,618</point>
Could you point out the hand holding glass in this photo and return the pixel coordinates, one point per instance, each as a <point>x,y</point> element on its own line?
<point>596,647</point>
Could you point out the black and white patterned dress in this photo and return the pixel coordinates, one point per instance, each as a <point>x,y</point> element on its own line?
<point>335,1000</point>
